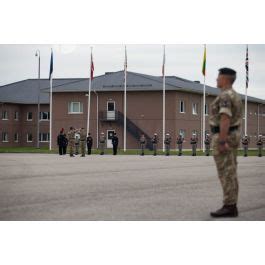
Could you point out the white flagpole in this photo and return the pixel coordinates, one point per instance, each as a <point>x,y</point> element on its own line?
<point>203,109</point>
<point>50,147</point>
<point>89,95</point>
<point>164,94</point>
<point>246,98</point>
<point>125,99</point>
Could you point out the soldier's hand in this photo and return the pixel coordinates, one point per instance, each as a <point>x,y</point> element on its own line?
<point>223,148</point>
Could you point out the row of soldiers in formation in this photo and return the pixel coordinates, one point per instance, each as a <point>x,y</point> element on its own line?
<point>75,142</point>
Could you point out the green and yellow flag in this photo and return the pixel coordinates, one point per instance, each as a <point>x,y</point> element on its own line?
<point>204,62</point>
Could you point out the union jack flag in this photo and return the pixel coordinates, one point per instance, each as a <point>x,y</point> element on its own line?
<point>246,65</point>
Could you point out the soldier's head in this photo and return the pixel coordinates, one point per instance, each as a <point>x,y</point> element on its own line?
<point>102,133</point>
<point>226,78</point>
<point>71,128</point>
<point>89,134</point>
<point>155,134</point>
<point>115,134</point>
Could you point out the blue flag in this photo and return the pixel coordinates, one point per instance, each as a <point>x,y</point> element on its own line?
<point>51,66</point>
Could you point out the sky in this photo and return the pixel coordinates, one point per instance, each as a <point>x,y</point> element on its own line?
<point>18,62</point>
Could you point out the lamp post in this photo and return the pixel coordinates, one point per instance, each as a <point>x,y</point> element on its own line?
<point>37,54</point>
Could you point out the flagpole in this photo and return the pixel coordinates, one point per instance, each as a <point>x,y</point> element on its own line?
<point>203,103</point>
<point>246,93</point>
<point>89,94</point>
<point>51,77</point>
<point>125,99</point>
<point>164,94</point>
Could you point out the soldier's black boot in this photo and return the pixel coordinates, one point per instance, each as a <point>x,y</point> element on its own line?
<point>226,211</point>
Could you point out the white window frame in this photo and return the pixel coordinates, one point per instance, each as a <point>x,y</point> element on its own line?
<point>70,107</point>
<point>28,141</point>
<point>194,108</point>
<point>41,137</point>
<point>3,140</point>
<point>41,116</point>
<point>182,132</point>
<point>181,101</point>
<point>5,119</point>
<point>16,140</point>
<point>28,116</point>
<point>16,116</point>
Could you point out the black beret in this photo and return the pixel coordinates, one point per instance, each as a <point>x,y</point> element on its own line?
<point>227,71</point>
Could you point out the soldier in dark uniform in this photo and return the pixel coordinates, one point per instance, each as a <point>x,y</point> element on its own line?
<point>142,144</point>
<point>115,142</point>
<point>155,142</point>
<point>260,145</point>
<point>167,142</point>
<point>193,142</point>
<point>207,143</point>
<point>62,142</point>
<point>89,143</point>
<point>180,140</point>
<point>245,142</point>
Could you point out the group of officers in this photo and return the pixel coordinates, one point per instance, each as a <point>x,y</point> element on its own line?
<point>77,140</point>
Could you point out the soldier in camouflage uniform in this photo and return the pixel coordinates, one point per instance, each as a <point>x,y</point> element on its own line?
<point>193,142</point>
<point>77,142</point>
<point>260,145</point>
<point>102,143</point>
<point>207,143</point>
<point>225,122</point>
<point>142,144</point>
<point>71,141</point>
<point>82,133</point>
<point>245,142</point>
<point>167,142</point>
<point>180,140</point>
<point>155,142</point>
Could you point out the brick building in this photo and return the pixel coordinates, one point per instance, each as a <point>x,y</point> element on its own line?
<point>18,107</point>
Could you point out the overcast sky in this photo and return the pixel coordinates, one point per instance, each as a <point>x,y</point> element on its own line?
<point>18,62</point>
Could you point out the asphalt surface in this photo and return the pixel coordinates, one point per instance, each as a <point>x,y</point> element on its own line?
<point>50,187</point>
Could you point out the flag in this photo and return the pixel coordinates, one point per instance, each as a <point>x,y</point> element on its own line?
<point>51,66</point>
<point>91,68</point>
<point>204,62</point>
<point>164,61</point>
<point>246,65</point>
<point>125,60</point>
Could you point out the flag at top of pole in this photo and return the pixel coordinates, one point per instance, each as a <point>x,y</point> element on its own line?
<point>246,65</point>
<point>204,62</point>
<point>125,100</point>
<point>50,78</point>
<point>91,67</point>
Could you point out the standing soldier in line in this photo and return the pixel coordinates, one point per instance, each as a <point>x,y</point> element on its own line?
<point>260,145</point>
<point>167,142</point>
<point>102,142</point>
<point>207,143</point>
<point>77,142</point>
<point>71,140</point>
<point>142,144</point>
<point>89,143</point>
<point>62,142</point>
<point>155,142</point>
<point>245,142</point>
<point>225,122</point>
<point>180,140</point>
<point>83,142</point>
<point>115,142</point>
<point>193,142</point>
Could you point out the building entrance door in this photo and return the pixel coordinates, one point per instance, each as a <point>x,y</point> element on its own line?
<point>110,134</point>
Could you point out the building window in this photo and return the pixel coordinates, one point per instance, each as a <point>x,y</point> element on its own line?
<point>16,115</point>
<point>4,115</point>
<point>182,132</point>
<point>29,137</point>
<point>44,137</point>
<point>29,116</point>
<point>181,106</point>
<point>75,107</point>
<point>44,116</point>
<point>194,108</point>
<point>4,137</point>
<point>206,109</point>
<point>16,137</point>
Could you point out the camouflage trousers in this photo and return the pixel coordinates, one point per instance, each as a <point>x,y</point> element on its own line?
<point>207,149</point>
<point>83,147</point>
<point>194,147</point>
<point>101,148</point>
<point>226,164</point>
<point>142,149</point>
<point>167,147</point>
<point>71,146</point>
<point>259,150</point>
<point>155,148</point>
<point>245,150</point>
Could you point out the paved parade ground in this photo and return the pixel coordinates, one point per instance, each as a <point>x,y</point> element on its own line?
<point>50,187</point>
